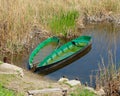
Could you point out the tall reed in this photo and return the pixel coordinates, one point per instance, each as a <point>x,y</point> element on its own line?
<point>63,22</point>
<point>18,17</point>
<point>108,77</point>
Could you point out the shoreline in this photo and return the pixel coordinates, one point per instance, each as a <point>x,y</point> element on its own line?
<point>12,79</point>
<point>31,83</point>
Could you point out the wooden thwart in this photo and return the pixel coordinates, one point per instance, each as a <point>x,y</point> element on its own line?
<point>48,90</point>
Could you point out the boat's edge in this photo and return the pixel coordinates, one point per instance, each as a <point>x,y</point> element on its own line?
<point>31,65</point>
<point>54,52</point>
<point>53,67</point>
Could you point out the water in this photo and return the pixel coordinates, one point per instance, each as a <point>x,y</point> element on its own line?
<point>105,41</point>
<point>44,52</point>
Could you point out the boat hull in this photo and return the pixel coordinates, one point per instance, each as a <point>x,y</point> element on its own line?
<point>44,70</point>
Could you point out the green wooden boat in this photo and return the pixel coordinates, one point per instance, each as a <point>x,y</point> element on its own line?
<point>35,56</point>
<point>64,53</point>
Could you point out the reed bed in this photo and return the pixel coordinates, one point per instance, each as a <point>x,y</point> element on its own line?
<point>18,18</point>
<point>108,77</point>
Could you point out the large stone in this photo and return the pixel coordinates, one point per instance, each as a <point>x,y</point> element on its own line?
<point>63,79</point>
<point>74,82</point>
<point>90,89</point>
<point>99,92</point>
<point>6,68</point>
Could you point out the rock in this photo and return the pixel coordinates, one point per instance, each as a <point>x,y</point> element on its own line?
<point>90,89</point>
<point>6,68</point>
<point>118,22</point>
<point>99,92</point>
<point>74,82</point>
<point>86,84</point>
<point>63,79</point>
<point>70,82</point>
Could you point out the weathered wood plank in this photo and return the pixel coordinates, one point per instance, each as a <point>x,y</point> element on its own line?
<point>48,90</point>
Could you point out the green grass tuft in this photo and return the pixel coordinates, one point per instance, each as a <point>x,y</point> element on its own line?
<point>5,92</point>
<point>1,62</point>
<point>63,22</point>
<point>82,92</point>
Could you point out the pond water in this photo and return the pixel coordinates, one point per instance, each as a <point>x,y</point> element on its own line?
<point>105,44</point>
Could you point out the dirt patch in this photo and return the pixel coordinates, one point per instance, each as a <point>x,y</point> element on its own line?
<point>30,81</point>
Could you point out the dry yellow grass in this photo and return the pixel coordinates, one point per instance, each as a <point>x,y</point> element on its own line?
<point>18,17</point>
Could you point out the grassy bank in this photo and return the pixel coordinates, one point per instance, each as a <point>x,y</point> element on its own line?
<point>4,86</point>
<point>82,92</point>
<point>13,85</point>
<point>19,19</point>
<point>5,92</point>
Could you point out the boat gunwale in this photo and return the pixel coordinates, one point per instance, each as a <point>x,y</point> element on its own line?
<point>45,69</point>
<point>89,42</point>
<point>39,46</point>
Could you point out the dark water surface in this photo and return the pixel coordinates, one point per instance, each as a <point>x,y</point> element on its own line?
<point>105,43</point>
